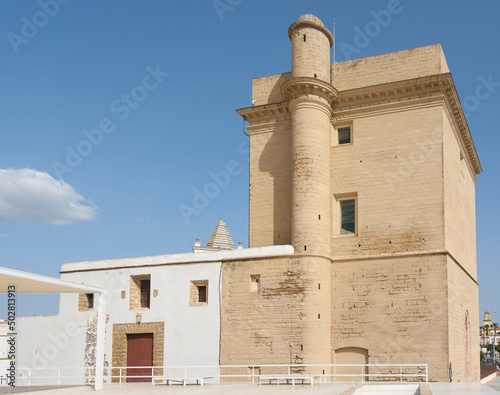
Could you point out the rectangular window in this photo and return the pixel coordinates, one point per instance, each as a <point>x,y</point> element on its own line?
<point>90,301</point>
<point>140,291</point>
<point>198,293</point>
<point>344,135</point>
<point>202,293</point>
<point>255,282</point>
<point>145,291</point>
<point>347,216</point>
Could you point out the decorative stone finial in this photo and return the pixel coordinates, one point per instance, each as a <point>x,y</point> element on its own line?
<point>197,244</point>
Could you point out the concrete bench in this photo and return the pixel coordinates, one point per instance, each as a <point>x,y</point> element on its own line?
<point>289,378</point>
<point>179,380</point>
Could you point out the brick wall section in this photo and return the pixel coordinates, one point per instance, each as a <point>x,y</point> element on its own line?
<point>395,308</point>
<point>120,332</point>
<point>463,305</point>
<point>258,327</point>
<point>395,166</point>
<point>390,67</point>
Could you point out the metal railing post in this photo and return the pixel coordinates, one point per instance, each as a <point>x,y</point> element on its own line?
<point>120,375</point>
<point>58,376</point>
<point>29,377</point>
<point>400,373</point>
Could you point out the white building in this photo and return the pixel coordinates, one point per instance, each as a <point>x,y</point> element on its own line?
<point>489,335</point>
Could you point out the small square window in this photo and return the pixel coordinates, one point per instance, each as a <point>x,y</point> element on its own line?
<point>198,293</point>
<point>255,282</point>
<point>347,217</point>
<point>344,135</point>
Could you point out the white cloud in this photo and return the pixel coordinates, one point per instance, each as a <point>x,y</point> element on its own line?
<point>28,195</point>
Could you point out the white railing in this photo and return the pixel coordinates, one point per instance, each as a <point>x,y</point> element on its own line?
<point>230,373</point>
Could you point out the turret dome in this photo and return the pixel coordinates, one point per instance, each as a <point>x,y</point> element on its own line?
<point>310,18</point>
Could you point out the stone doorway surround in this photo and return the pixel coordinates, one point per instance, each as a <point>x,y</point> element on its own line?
<point>119,346</point>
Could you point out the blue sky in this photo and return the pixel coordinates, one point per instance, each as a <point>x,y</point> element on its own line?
<point>161,81</point>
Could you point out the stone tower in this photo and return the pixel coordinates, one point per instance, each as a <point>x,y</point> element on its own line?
<point>373,184</point>
<point>309,94</point>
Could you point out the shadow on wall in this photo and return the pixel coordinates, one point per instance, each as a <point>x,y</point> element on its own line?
<point>275,160</point>
<point>275,95</point>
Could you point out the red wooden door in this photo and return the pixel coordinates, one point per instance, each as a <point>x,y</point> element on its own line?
<point>139,353</point>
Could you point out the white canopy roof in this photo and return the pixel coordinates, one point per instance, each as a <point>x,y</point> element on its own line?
<point>36,283</point>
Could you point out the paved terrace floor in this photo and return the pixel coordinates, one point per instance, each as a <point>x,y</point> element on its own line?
<point>490,388</point>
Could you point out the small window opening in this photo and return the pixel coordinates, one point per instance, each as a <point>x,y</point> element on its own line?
<point>347,216</point>
<point>319,217</point>
<point>319,315</point>
<point>198,294</point>
<point>315,75</point>
<point>145,291</point>
<point>304,38</point>
<point>305,248</point>
<point>344,135</point>
<point>139,294</point>
<point>301,347</point>
<point>319,285</point>
<point>202,293</point>
<point>255,282</point>
<point>90,301</point>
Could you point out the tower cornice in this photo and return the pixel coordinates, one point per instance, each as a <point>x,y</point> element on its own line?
<point>301,86</point>
<point>394,92</point>
<point>264,112</point>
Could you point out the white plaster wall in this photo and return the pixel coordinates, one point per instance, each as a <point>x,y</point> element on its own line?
<point>191,332</point>
<point>47,343</point>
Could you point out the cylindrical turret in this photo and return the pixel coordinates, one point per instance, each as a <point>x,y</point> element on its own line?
<point>311,43</point>
<point>310,94</point>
